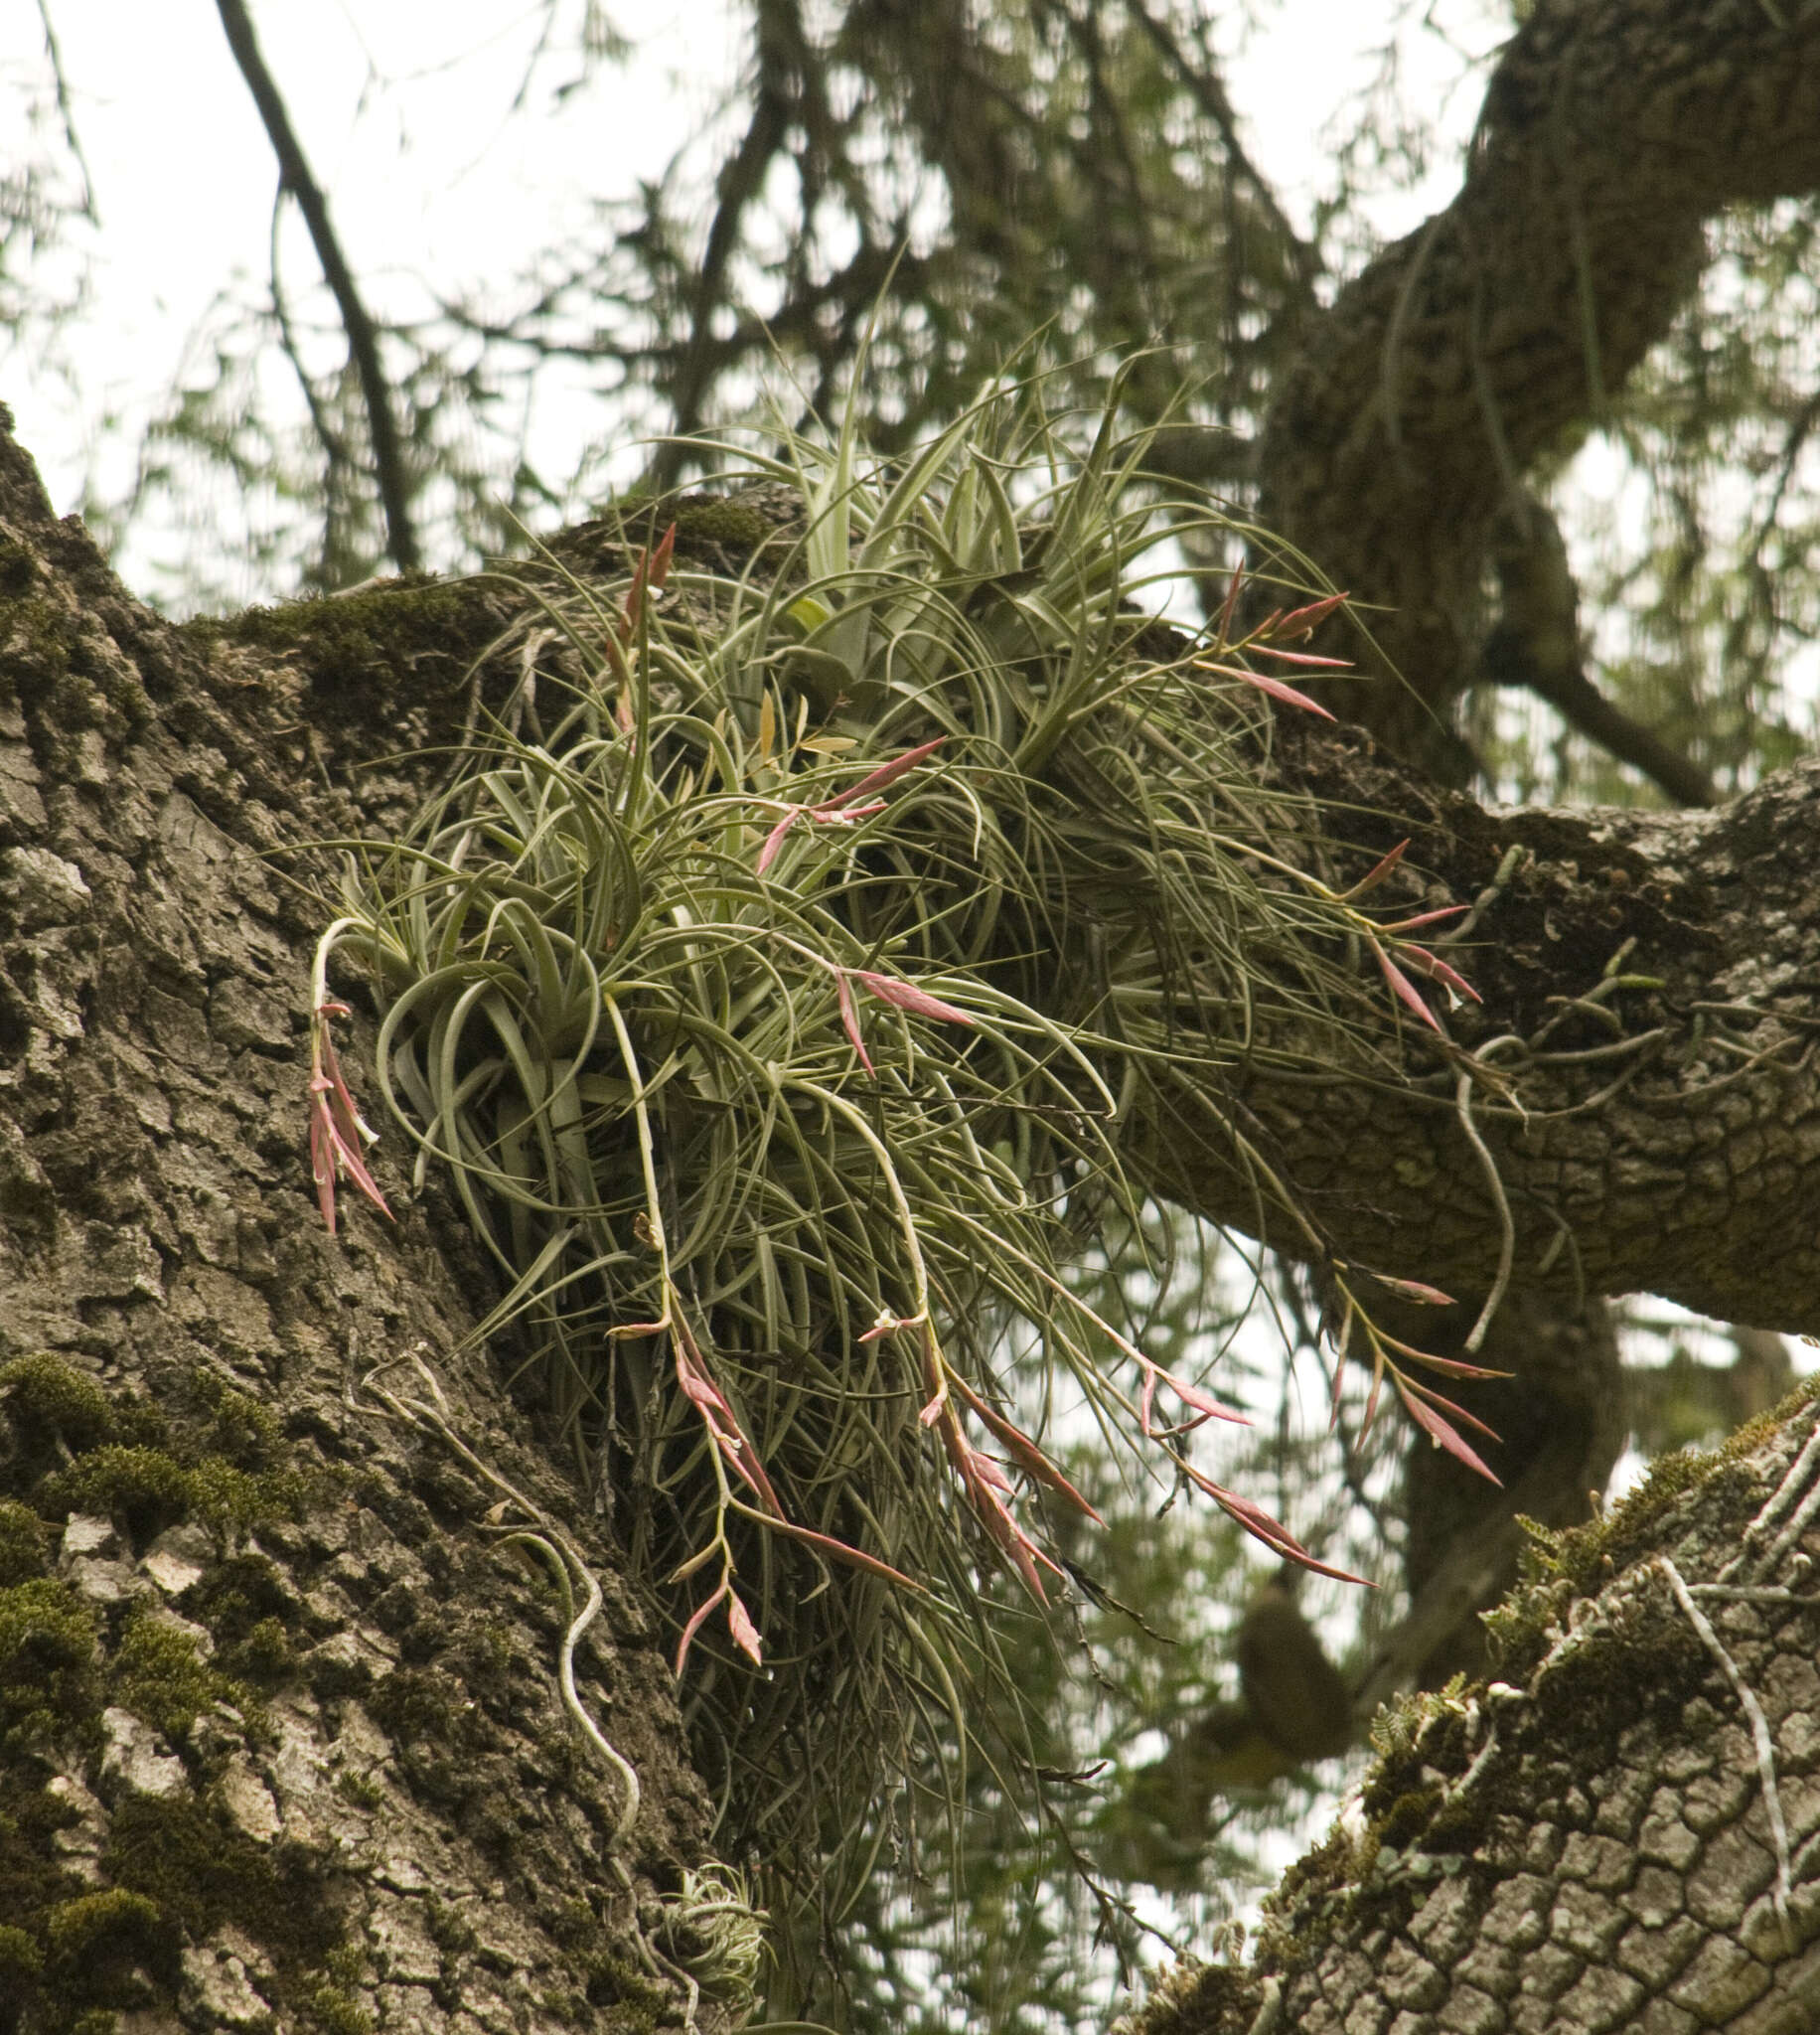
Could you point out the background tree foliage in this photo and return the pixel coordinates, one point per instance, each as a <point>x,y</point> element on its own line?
<point>934,180</point>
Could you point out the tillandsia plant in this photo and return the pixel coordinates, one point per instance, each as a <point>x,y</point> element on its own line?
<point>778,989</point>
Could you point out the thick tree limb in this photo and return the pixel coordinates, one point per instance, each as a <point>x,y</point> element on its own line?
<point>1652,999</point>
<point>1611,131</point>
<point>1619,1832</point>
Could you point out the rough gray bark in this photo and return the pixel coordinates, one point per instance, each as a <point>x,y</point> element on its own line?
<point>1590,1841</point>
<point>1655,975</point>
<point>281,1739</point>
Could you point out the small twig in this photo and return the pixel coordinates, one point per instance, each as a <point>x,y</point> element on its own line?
<point>72,140</point>
<point>362,337</point>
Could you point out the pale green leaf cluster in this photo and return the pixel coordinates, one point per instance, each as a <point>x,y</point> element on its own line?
<point>772,1290</point>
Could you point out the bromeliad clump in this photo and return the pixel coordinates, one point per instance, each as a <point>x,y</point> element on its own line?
<point>778,989</point>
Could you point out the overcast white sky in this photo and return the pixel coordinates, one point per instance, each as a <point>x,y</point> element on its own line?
<point>405,110</point>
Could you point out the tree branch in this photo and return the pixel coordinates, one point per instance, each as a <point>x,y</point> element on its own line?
<point>1611,131</point>
<point>741,179</point>
<point>363,338</point>
<point>1645,1070</point>
<point>1208,91</point>
<point>1537,645</point>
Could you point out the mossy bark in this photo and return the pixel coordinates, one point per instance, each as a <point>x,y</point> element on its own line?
<point>1620,1830</point>
<point>281,1739</point>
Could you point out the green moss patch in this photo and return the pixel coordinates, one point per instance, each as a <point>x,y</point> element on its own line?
<point>96,1945</point>
<point>149,1490</point>
<point>49,1402</point>
<point>25,1543</point>
<point>346,638</point>
<point>158,1674</point>
<point>49,1678</point>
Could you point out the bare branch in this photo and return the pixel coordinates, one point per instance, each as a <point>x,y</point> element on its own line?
<point>1537,645</point>
<point>362,337</point>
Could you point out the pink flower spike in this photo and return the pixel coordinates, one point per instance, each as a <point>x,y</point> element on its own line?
<point>775,839</point>
<point>988,1471</point>
<point>1260,1527</point>
<point>337,1130</point>
<point>1450,1367</point>
<point>837,1550</point>
<point>840,815</point>
<point>1028,1457</point>
<point>1375,875</point>
<point>652,569</point>
<point>851,1019</point>
<point>891,989</point>
<point>721,1421</point>
<point>1438,970</point>
<point>745,1633</point>
<point>1274,687</point>
<point>659,572</point>
<point>698,1390</point>
<point>1443,1434</point>
<point>1405,989</point>
<point>1192,1395</point>
<point>1306,657</point>
<point>1371,1397</point>
<point>1304,621</point>
<point>995,1516</point>
<point>886,773</point>
<point>697,1619</point>
<point>1415,1290</point>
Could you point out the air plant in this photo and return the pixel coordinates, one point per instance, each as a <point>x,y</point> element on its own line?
<point>779,997</point>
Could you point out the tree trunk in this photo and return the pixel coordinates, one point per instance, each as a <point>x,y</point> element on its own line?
<point>284,1734</point>
<point>283,1740</point>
